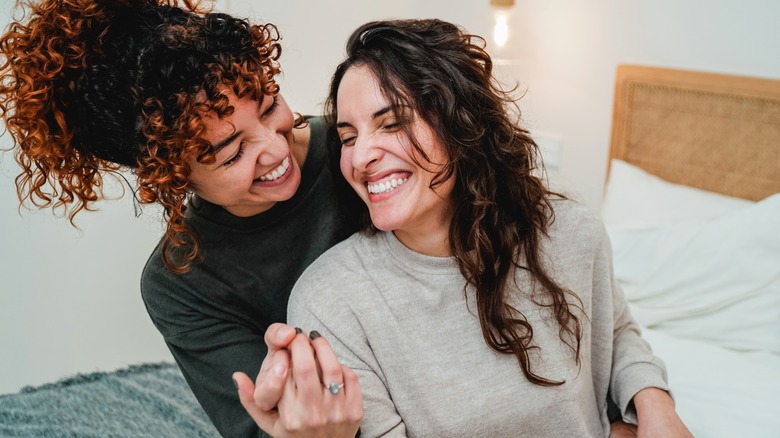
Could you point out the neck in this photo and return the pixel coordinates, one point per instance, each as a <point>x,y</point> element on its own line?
<point>434,241</point>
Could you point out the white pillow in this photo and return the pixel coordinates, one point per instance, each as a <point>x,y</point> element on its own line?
<point>716,280</point>
<point>634,199</point>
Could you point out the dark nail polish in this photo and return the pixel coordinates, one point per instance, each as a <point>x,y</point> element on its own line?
<point>298,330</point>
<point>314,335</point>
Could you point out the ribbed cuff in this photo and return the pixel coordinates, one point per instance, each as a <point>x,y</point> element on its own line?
<point>633,379</point>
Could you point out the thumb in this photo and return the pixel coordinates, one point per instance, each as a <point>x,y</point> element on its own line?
<point>246,388</point>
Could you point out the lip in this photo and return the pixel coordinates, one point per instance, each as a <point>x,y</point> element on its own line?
<point>278,181</point>
<point>384,175</point>
<point>379,197</point>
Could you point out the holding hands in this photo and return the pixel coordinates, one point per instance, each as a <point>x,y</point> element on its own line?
<point>302,389</point>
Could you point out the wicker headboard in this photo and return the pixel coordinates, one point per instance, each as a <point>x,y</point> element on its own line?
<point>711,131</point>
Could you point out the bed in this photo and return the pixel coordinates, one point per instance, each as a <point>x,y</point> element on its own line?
<point>692,207</point>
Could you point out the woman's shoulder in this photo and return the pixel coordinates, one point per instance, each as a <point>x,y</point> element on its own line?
<point>572,210</point>
<point>573,220</point>
<point>343,256</point>
<point>339,267</point>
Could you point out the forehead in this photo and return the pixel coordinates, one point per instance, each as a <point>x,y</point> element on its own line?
<point>216,126</point>
<point>359,87</point>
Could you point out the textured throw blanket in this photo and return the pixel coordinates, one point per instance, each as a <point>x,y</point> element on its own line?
<point>150,400</point>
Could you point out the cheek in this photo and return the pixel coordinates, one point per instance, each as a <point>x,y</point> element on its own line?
<point>195,178</point>
<point>285,116</point>
<point>345,163</point>
<point>288,120</point>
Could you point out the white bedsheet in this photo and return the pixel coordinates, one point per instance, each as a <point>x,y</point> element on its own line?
<point>720,393</point>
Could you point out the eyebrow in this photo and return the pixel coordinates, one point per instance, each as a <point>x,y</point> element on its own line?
<point>221,145</point>
<point>376,115</point>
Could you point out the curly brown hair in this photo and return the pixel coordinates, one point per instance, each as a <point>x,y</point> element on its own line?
<point>88,87</point>
<point>502,209</point>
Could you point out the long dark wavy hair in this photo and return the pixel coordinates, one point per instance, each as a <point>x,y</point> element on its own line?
<point>88,87</point>
<point>501,208</point>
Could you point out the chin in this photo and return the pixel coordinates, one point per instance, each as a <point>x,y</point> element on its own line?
<point>385,223</point>
<point>383,228</point>
<point>290,187</point>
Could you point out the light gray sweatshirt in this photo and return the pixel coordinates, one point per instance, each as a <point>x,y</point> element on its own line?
<point>401,320</point>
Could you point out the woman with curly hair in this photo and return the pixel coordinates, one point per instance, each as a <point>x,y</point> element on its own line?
<point>475,301</point>
<point>186,98</point>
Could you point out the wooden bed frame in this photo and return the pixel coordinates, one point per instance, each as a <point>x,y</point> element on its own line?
<point>716,132</point>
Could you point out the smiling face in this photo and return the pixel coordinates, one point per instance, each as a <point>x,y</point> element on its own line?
<point>378,161</point>
<point>255,166</point>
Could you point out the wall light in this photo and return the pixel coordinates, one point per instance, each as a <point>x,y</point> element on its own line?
<point>501,12</point>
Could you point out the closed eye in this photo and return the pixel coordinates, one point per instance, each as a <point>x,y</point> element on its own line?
<point>392,126</point>
<point>271,108</point>
<point>236,157</point>
<point>348,141</point>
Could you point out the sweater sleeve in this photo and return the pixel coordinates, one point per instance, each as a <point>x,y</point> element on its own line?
<point>321,302</point>
<point>207,350</point>
<point>634,366</point>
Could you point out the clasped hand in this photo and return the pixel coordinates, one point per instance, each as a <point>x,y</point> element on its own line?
<point>302,390</point>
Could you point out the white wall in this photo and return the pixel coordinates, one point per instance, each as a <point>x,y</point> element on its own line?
<point>69,299</point>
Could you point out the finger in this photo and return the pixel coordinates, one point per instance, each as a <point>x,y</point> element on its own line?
<point>354,398</point>
<point>304,368</point>
<point>269,389</point>
<point>279,336</point>
<point>328,362</point>
<point>288,401</point>
<point>264,419</point>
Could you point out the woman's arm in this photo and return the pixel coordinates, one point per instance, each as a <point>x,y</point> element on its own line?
<point>656,415</point>
<point>638,381</point>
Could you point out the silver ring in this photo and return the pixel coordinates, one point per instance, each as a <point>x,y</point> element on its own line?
<point>334,388</point>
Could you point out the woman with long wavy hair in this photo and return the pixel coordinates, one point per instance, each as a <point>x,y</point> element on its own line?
<point>186,99</point>
<point>475,301</point>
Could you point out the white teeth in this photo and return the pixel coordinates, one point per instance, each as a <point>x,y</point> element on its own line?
<point>276,173</point>
<point>385,187</point>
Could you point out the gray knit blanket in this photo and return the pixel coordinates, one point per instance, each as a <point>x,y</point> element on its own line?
<point>149,400</point>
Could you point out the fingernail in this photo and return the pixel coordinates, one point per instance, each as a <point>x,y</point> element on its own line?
<point>314,335</point>
<point>280,370</point>
<point>235,382</point>
<point>298,330</point>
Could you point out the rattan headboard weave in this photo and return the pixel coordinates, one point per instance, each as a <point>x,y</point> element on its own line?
<point>711,131</point>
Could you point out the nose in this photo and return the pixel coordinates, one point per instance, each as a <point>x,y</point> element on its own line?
<point>366,152</point>
<point>275,147</point>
